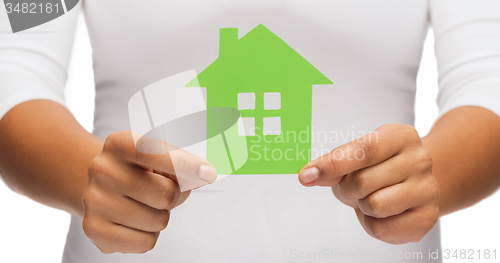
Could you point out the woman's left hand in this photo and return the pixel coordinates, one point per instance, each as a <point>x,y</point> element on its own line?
<point>386,176</point>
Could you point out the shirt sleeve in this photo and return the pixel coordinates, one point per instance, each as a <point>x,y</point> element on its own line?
<point>467,35</point>
<point>34,63</point>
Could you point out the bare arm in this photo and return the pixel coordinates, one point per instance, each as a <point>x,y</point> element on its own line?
<point>45,154</point>
<point>465,148</point>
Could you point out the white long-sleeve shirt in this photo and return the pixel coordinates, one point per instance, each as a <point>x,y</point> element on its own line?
<point>371,50</point>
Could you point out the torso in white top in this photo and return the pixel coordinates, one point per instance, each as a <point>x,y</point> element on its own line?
<point>371,50</point>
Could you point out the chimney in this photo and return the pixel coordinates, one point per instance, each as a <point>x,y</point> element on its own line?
<point>228,39</point>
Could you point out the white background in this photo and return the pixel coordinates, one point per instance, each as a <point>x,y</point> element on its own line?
<point>30,232</point>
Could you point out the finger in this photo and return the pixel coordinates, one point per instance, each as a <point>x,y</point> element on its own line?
<point>396,199</point>
<point>189,170</point>
<point>110,237</point>
<point>359,184</point>
<point>366,151</point>
<point>152,189</point>
<point>410,226</point>
<point>123,145</point>
<point>125,211</point>
<point>138,216</point>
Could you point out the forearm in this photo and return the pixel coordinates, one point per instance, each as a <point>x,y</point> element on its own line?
<point>45,153</point>
<point>465,148</point>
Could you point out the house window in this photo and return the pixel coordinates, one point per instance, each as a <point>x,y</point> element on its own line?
<point>272,126</point>
<point>246,126</point>
<point>272,101</point>
<point>246,101</point>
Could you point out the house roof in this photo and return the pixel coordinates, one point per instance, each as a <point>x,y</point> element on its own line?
<point>259,57</point>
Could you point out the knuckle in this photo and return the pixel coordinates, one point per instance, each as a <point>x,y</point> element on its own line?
<point>404,131</point>
<point>87,198</point>
<point>112,141</point>
<point>105,250</point>
<point>149,242</point>
<point>434,216</point>
<point>97,165</point>
<point>430,219</point>
<point>411,133</point>
<point>423,159</point>
<point>356,186</point>
<point>166,194</point>
<point>120,141</point>
<point>361,184</point>
<point>374,206</point>
<point>90,227</point>
<point>169,196</point>
<point>436,192</point>
<point>380,230</point>
<point>344,193</point>
<point>364,150</point>
<point>162,219</point>
<point>100,169</point>
<point>91,198</point>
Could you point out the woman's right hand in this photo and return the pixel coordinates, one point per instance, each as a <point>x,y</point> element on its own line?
<point>130,193</point>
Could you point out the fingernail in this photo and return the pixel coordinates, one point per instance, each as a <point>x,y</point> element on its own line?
<point>310,175</point>
<point>207,173</point>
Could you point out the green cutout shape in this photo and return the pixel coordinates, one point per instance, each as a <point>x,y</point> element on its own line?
<point>260,62</point>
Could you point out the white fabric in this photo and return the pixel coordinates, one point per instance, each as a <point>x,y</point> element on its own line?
<point>467,47</point>
<point>371,51</point>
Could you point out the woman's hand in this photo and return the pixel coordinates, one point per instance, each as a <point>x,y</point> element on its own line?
<point>386,176</point>
<point>130,193</point>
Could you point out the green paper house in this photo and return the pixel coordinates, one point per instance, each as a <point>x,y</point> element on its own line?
<point>271,85</point>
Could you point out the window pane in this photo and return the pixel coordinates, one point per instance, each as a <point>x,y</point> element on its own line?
<point>272,126</point>
<point>272,101</point>
<point>246,101</point>
<point>246,126</point>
